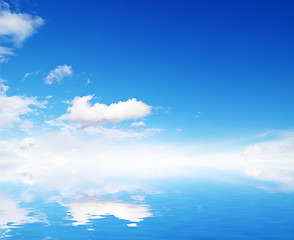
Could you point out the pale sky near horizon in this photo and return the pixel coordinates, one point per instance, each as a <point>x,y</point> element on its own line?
<point>188,80</point>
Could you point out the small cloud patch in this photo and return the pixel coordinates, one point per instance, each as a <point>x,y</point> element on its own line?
<point>58,74</point>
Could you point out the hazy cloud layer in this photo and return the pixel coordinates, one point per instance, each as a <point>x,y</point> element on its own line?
<point>64,161</point>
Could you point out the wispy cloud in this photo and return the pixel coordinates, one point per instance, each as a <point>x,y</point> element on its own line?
<point>5,51</point>
<point>87,82</point>
<point>58,74</point>
<point>138,124</point>
<point>26,75</point>
<point>198,114</point>
<point>26,125</point>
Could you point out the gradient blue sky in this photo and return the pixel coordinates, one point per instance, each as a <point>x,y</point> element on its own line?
<point>232,61</point>
<point>101,98</point>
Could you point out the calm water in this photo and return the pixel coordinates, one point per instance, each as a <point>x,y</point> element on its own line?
<point>163,209</point>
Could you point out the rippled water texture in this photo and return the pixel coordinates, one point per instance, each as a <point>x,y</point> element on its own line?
<point>163,209</point>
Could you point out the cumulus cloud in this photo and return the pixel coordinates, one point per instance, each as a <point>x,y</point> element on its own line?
<point>18,26</point>
<point>12,108</point>
<point>15,28</point>
<point>83,113</point>
<point>58,74</point>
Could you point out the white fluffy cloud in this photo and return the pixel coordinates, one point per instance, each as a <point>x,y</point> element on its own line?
<point>12,108</point>
<point>18,26</point>
<point>58,74</point>
<point>15,28</point>
<point>83,113</point>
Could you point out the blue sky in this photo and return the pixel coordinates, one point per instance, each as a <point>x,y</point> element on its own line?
<point>105,98</point>
<point>193,84</point>
<point>231,61</point>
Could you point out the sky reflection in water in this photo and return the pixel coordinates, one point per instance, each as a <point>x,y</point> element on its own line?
<point>165,209</point>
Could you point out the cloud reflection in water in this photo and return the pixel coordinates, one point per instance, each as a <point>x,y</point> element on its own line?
<point>82,210</point>
<point>13,216</point>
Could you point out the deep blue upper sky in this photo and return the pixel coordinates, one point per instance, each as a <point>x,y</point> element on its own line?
<point>230,60</point>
